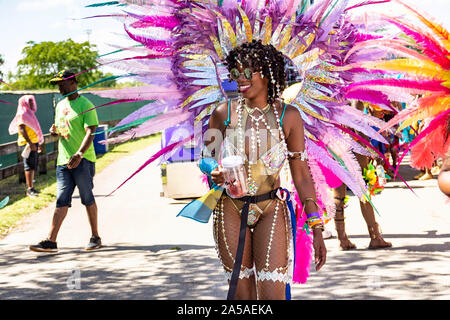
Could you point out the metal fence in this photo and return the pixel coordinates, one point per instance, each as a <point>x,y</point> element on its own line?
<point>46,102</point>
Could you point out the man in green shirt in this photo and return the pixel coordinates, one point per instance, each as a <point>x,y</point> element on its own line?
<point>75,124</point>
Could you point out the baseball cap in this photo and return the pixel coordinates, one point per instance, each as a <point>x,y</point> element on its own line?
<point>62,75</point>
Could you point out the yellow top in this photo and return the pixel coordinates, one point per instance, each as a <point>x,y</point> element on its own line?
<point>31,134</point>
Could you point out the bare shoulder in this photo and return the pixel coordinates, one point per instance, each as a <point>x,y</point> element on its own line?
<point>221,111</point>
<point>291,117</point>
<point>219,115</point>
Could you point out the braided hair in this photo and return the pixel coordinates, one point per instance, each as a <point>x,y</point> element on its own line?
<point>264,59</point>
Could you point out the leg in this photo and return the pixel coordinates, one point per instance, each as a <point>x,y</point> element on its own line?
<point>29,177</point>
<point>92,215</point>
<point>394,155</point>
<point>65,186</point>
<point>339,219</point>
<point>58,218</point>
<point>418,176</point>
<point>376,240</point>
<point>30,166</point>
<point>270,250</point>
<point>427,176</point>
<point>83,176</point>
<point>226,234</point>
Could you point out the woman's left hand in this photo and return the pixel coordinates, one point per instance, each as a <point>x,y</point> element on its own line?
<point>320,251</point>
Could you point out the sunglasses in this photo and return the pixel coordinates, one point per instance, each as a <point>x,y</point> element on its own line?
<point>235,74</point>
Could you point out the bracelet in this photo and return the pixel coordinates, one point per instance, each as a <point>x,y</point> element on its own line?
<point>80,153</point>
<point>311,199</point>
<point>302,155</point>
<point>314,214</point>
<point>314,223</point>
<point>319,226</point>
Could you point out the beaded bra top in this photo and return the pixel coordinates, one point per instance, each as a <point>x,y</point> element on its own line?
<point>255,136</point>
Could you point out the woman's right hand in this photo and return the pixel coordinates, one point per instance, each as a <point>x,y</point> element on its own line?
<point>53,130</point>
<point>217,176</point>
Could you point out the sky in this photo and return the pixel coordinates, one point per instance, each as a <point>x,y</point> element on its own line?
<point>56,20</point>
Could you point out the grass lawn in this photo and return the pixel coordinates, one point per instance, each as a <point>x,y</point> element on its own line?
<point>20,205</point>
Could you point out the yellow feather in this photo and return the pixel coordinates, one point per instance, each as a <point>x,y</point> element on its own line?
<point>422,68</point>
<point>437,29</point>
<point>431,109</point>
<point>247,25</point>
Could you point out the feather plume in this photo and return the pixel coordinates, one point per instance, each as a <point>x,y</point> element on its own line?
<point>153,158</point>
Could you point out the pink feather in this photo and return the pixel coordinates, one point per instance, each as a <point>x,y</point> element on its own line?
<point>365,3</point>
<point>431,48</point>
<point>332,180</point>
<point>150,92</point>
<point>440,120</point>
<point>167,22</point>
<point>153,158</point>
<point>303,247</point>
<point>367,144</point>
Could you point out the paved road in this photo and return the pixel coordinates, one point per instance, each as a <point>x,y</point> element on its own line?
<point>151,254</point>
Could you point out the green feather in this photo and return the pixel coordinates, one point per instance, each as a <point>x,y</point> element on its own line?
<point>100,81</point>
<point>4,202</point>
<point>131,124</point>
<point>102,4</point>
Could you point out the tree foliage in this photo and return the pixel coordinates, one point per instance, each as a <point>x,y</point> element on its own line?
<point>1,63</point>
<point>41,61</point>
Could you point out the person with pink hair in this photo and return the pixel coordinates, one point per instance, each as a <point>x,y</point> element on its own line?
<point>30,136</point>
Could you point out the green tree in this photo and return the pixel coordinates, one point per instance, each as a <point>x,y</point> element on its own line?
<point>1,63</point>
<point>41,61</point>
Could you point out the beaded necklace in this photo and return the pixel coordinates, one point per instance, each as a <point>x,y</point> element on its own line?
<point>255,137</point>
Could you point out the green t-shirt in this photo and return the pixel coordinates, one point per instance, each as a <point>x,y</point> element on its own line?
<point>71,126</point>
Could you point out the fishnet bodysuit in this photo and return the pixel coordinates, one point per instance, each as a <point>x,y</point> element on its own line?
<point>267,241</point>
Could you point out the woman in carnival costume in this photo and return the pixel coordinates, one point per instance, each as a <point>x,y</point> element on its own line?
<point>258,67</point>
<point>375,186</point>
<point>188,49</point>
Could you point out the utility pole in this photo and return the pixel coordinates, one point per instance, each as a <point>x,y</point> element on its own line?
<point>88,32</point>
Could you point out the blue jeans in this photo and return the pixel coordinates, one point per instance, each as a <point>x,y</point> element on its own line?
<point>31,163</point>
<point>66,180</point>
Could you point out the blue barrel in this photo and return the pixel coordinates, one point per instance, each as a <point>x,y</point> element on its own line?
<point>99,147</point>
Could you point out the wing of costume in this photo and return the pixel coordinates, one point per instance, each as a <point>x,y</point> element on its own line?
<point>181,48</point>
<point>421,55</point>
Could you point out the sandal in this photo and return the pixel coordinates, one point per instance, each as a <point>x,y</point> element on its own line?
<point>376,240</point>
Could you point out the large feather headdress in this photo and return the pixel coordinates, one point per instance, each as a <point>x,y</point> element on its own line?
<point>181,48</point>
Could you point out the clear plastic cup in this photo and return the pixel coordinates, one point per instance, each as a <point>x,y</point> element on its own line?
<point>235,176</point>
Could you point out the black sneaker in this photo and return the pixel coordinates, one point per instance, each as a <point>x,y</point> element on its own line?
<point>31,193</point>
<point>45,246</point>
<point>94,243</point>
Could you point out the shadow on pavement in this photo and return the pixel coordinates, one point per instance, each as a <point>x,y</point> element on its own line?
<point>429,235</point>
<point>392,273</point>
<point>126,272</point>
<point>191,272</point>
